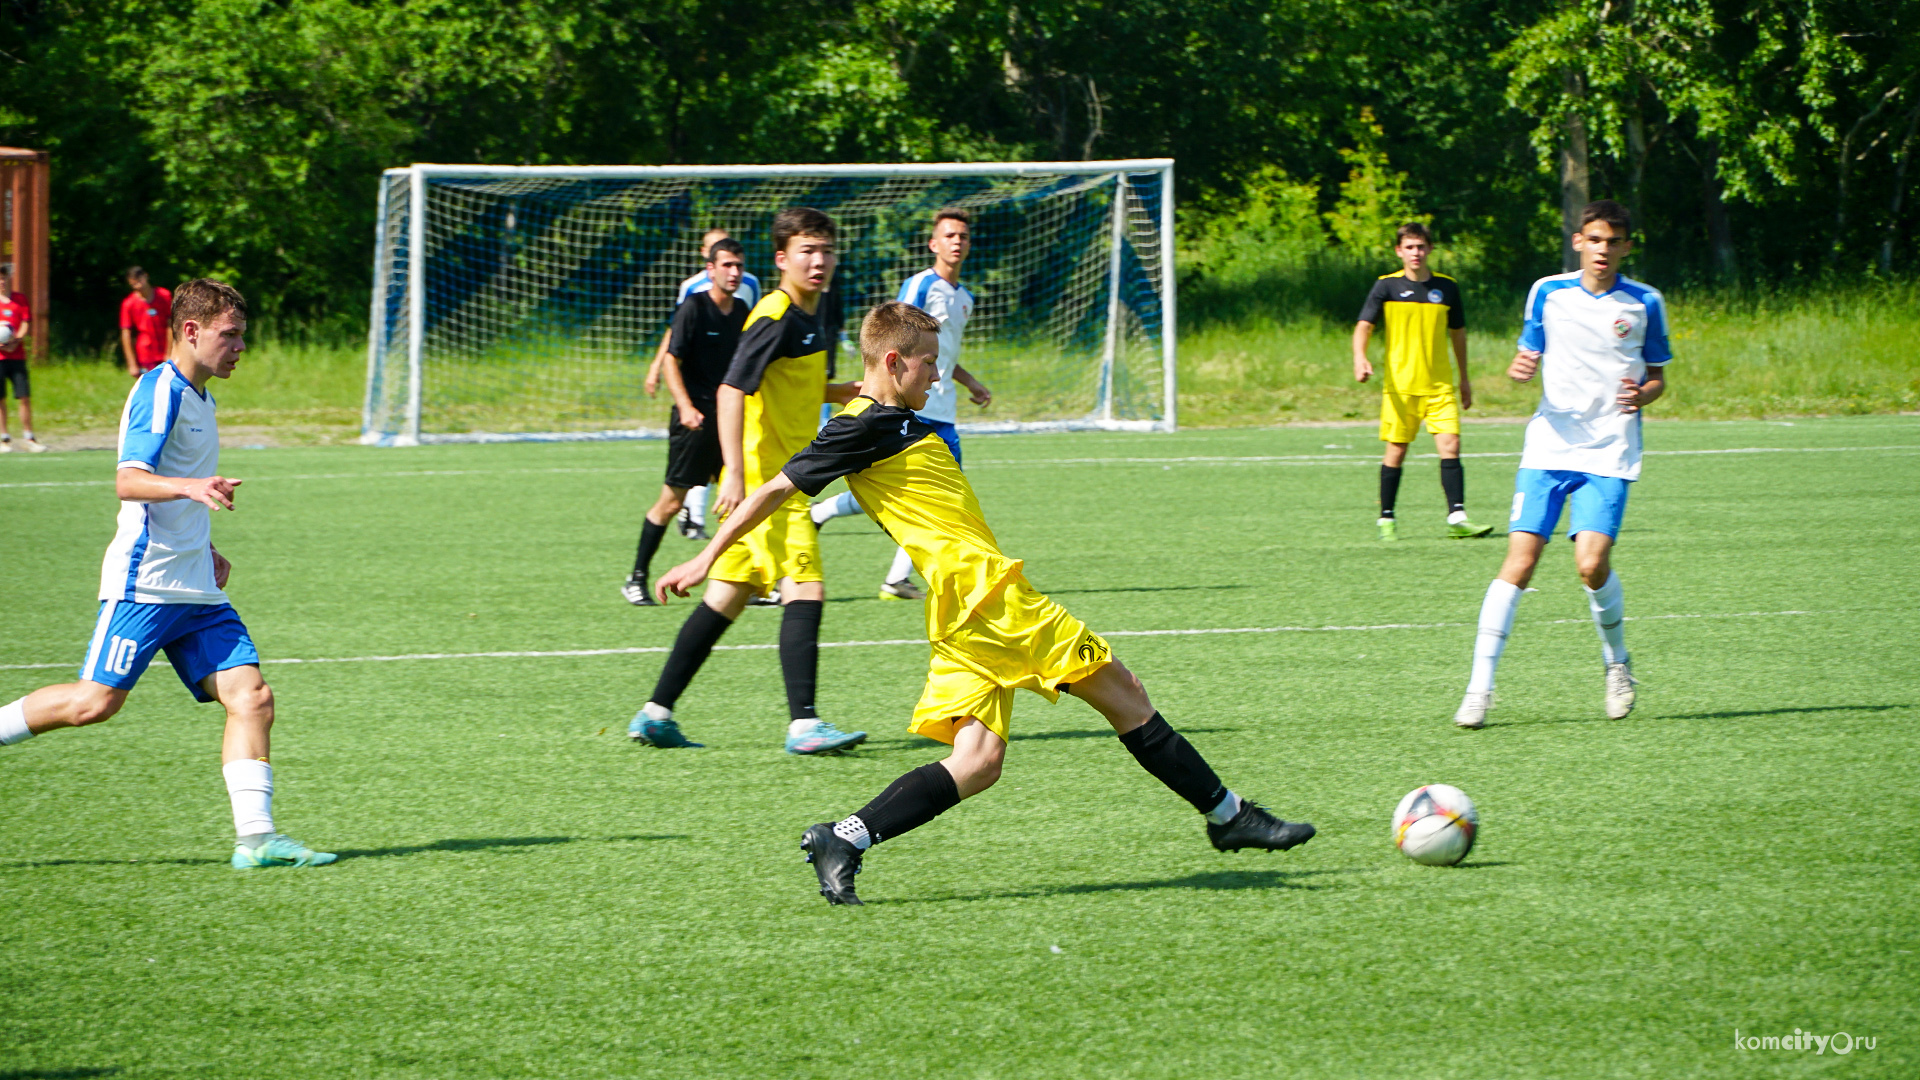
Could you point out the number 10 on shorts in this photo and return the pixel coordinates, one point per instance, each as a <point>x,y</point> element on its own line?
<point>120,654</point>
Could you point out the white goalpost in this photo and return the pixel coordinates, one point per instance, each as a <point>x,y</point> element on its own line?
<point>525,302</point>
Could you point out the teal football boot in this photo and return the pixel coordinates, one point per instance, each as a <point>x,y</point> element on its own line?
<point>279,850</point>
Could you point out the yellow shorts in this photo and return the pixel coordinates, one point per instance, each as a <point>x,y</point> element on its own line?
<point>785,545</point>
<point>1017,640</point>
<point>1400,416</point>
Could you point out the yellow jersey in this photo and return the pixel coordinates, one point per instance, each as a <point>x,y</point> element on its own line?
<point>1415,316</point>
<point>906,479</point>
<point>781,365</point>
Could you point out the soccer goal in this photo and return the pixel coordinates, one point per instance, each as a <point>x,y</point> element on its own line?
<point>525,302</point>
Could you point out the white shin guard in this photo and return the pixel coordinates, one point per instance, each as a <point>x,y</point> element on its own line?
<point>1496,622</point>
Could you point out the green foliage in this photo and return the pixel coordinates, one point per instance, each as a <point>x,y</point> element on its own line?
<point>1374,198</point>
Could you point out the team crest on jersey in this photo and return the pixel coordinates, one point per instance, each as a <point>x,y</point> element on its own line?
<point>1435,296</point>
<point>1622,326</point>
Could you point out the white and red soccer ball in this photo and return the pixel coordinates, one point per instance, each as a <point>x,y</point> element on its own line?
<point>1435,825</point>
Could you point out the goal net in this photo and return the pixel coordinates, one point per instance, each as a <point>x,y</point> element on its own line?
<point>527,302</point>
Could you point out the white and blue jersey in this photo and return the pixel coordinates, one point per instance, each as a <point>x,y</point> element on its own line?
<point>749,289</point>
<point>951,305</point>
<point>1588,344</point>
<point>162,553</point>
<point>156,582</point>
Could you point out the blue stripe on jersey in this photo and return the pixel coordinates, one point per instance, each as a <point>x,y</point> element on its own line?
<point>139,551</point>
<point>143,444</point>
<point>1654,347</point>
<point>1533,335</point>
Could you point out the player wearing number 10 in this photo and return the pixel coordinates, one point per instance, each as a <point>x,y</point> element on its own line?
<point>161,583</point>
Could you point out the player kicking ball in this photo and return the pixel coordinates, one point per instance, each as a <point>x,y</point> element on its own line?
<point>1598,341</point>
<point>161,582</point>
<point>768,408</point>
<point>991,631</point>
<point>1423,314</point>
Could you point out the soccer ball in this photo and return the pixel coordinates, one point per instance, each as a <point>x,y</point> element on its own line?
<point>6,334</point>
<point>1435,825</point>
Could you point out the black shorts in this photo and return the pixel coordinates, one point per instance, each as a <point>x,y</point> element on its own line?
<point>693,454</point>
<point>15,372</point>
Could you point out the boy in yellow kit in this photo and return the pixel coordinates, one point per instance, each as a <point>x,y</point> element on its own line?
<point>1423,314</point>
<point>769,407</point>
<point>991,631</point>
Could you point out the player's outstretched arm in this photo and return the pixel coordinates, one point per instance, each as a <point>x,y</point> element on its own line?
<point>139,485</point>
<point>841,393</point>
<point>757,508</point>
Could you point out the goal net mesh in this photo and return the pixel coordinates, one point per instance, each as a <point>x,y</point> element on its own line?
<point>543,296</point>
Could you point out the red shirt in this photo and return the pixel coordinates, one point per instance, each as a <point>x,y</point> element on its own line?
<point>149,321</point>
<point>14,313</point>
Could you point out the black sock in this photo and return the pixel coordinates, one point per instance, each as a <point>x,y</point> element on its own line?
<point>910,802</point>
<point>800,655</point>
<point>1174,762</point>
<point>650,535</point>
<point>1453,481</point>
<point>1389,489</point>
<point>697,638</point>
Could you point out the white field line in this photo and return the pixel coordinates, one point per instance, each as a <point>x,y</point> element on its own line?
<point>1252,459</point>
<point>639,650</point>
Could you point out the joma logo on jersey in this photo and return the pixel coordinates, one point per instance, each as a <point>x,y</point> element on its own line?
<point>120,654</point>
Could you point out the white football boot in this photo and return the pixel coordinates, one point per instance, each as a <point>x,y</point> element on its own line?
<point>1620,693</point>
<point>1473,710</point>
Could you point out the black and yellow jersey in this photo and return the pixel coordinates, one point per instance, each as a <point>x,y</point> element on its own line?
<point>781,365</point>
<point>906,479</point>
<point>1415,316</point>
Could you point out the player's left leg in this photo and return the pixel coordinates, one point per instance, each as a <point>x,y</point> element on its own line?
<point>1453,484</point>
<point>802,604</point>
<point>1594,517</point>
<point>245,751</point>
<point>652,529</point>
<point>26,425</point>
<point>712,617</point>
<point>1232,822</point>
<point>1392,466</point>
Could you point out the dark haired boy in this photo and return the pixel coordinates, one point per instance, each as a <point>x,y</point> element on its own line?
<point>768,408</point>
<point>162,583</point>
<point>991,631</point>
<point>1599,343</point>
<point>1422,314</point>
<point>700,346</point>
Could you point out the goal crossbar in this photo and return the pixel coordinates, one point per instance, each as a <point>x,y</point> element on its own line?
<point>461,331</point>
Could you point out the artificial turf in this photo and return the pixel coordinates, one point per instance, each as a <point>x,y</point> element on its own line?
<point>522,893</point>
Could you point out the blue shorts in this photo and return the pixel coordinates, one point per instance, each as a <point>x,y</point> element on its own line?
<point>200,640</point>
<point>1597,502</point>
<point>948,434</point>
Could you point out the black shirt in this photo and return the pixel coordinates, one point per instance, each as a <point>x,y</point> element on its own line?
<point>704,338</point>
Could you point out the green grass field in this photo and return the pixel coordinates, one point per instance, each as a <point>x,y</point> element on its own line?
<point>522,893</point>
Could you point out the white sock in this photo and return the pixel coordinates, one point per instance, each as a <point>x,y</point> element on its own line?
<point>902,566</point>
<point>1225,812</point>
<point>13,723</point>
<point>1609,606</point>
<point>854,831</point>
<point>801,726</point>
<point>696,505</point>
<point>250,786</point>
<point>1496,622</point>
<point>1456,517</point>
<point>28,434</point>
<point>656,712</point>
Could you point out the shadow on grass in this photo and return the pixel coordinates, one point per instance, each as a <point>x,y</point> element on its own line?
<point>55,1074</point>
<point>1143,588</point>
<point>1107,733</point>
<point>1732,714</point>
<point>1217,879</point>
<point>495,844</point>
<point>40,863</point>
